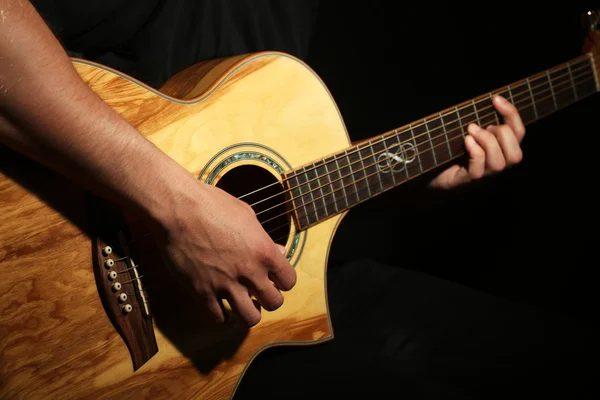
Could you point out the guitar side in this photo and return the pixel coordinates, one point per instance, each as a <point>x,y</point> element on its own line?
<point>55,337</point>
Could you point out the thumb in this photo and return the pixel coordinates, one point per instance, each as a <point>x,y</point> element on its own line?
<point>280,248</point>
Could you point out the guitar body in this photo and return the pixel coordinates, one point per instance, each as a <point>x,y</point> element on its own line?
<point>225,121</point>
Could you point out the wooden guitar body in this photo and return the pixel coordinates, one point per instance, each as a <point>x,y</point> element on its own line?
<point>239,123</point>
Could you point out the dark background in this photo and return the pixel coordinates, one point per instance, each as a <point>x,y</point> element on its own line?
<point>528,234</point>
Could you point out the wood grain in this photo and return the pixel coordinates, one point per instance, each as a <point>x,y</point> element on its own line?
<point>55,339</point>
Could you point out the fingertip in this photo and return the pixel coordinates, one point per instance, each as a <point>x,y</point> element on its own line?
<point>469,141</point>
<point>280,248</point>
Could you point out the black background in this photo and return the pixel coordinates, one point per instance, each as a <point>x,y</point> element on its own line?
<point>528,234</point>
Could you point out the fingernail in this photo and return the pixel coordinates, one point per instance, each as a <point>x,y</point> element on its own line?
<point>473,128</point>
<point>500,99</point>
<point>281,249</point>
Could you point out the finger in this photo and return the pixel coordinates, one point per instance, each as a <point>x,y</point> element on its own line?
<point>494,159</point>
<point>269,297</point>
<point>508,143</point>
<point>281,272</point>
<point>476,168</point>
<point>242,304</point>
<point>510,115</point>
<point>216,309</point>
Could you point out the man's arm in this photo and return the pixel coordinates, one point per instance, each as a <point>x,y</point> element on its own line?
<point>212,240</point>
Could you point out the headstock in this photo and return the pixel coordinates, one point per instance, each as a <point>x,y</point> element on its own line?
<point>591,23</point>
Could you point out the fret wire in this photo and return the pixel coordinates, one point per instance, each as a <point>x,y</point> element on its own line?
<point>446,135</point>
<point>321,190</point>
<point>551,89</point>
<point>364,171</point>
<point>475,112</point>
<point>352,175</point>
<point>510,94</point>
<point>375,163</point>
<point>343,186</point>
<point>495,113</point>
<point>572,81</point>
<point>332,189</point>
<point>430,142</point>
<point>299,187</point>
<point>416,146</point>
<point>532,99</point>
<point>459,119</point>
<point>387,151</point>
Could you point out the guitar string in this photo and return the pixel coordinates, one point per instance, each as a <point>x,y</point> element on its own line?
<point>455,110</point>
<point>427,132</point>
<point>359,190</point>
<point>352,173</point>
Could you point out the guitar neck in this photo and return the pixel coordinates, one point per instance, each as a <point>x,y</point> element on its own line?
<point>336,183</point>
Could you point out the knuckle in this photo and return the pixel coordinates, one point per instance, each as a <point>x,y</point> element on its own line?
<point>498,166</point>
<point>252,317</point>
<point>516,157</point>
<point>272,301</point>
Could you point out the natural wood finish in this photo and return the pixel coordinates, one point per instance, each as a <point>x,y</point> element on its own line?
<point>196,79</point>
<point>55,338</point>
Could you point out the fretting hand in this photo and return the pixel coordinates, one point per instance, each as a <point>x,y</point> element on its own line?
<point>490,150</point>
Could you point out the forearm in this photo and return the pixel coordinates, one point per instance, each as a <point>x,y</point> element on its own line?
<point>51,115</point>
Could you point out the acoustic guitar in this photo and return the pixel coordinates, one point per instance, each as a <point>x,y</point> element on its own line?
<point>87,310</point>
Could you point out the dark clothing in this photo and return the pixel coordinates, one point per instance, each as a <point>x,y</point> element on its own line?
<point>400,333</point>
<point>154,39</point>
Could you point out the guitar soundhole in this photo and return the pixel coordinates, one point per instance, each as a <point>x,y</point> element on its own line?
<point>264,193</point>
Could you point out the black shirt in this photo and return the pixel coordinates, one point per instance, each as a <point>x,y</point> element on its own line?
<point>154,39</point>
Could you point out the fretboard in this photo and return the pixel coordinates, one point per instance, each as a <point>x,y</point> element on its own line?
<point>334,184</point>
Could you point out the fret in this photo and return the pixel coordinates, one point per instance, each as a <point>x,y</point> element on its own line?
<point>298,200</point>
<point>340,181</point>
<point>551,89</point>
<point>417,150</point>
<point>385,161</point>
<point>386,176</point>
<point>475,112</point>
<point>467,116</point>
<point>532,99</point>
<point>443,124</point>
<point>563,87</point>
<point>317,191</point>
<point>485,113</point>
<point>455,130</point>
<point>424,144</point>
<point>369,166</point>
<point>541,95</point>
<point>439,140</point>
<point>311,192</point>
<point>348,179</point>
<point>572,81</point>
<point>306,196</point>
<point>497,120</point>
<point>523,101</point>
<point>510,96</point>
<point>329,189</point>
<point>373,163</point>
<point>585,78</point>
<point>361,179</point>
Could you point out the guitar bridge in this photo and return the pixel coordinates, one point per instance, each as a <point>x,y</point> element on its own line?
<point>119,283</point>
